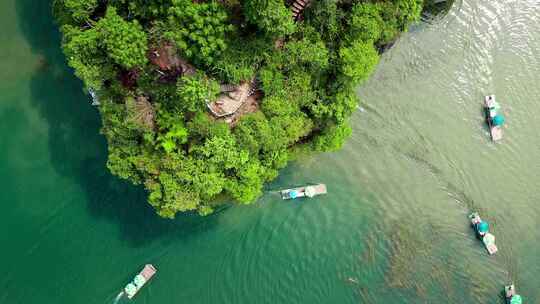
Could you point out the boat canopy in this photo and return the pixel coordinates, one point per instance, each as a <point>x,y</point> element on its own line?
<point>516,299</point>
<point>483,227</point>
<point>498,120</point>
<point>139,280</point>
<point>131,289</point>
<point>489,239</point>
<point>310,191</point>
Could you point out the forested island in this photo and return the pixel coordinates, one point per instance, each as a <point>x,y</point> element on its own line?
<point>205,101</point>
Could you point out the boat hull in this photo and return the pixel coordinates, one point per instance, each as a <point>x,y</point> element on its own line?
<point>487,239</point>
<point>138,282</point>
<point>494,131</point>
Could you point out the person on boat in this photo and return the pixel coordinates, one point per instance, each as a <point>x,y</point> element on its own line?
<point>495,115</point>
<point>514,299</point>
<point>510,291</point>
<point>511,296</point>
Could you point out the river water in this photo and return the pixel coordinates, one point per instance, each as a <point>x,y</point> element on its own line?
<point>393,228</point>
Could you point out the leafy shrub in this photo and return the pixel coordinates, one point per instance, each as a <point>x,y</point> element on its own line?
<point>126,42</point>
<point>198,29</point>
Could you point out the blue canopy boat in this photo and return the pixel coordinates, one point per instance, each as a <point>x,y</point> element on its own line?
<point>494,117</point>
<point>482,231</point>
<point>306,191</point>
<point>140,280</point>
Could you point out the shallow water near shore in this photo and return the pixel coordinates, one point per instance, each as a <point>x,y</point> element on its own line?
<point>393,228</point>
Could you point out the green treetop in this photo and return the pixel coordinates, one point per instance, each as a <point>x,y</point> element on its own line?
<point>271,16</point>
<point>125,42</point>
<point>198,29</point>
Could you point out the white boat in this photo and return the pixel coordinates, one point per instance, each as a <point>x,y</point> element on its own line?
<point>491,108</point>
<point>140,279</point>
<point>306,191</point>
<point>487,238</point>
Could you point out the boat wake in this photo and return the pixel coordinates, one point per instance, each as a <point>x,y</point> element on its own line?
<point>118,297</point>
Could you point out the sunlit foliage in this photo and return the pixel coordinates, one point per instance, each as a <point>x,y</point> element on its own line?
<point>156,64</point>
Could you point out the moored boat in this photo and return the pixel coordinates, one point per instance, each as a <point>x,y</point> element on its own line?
<point>482,231</point>
<point>494,117</point>
<point>306,191</point>
<point>140,280</point>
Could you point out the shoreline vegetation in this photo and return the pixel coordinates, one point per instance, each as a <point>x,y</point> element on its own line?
<point>205,101</point>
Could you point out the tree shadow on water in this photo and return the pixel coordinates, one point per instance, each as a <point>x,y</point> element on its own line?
<point>77,150</point>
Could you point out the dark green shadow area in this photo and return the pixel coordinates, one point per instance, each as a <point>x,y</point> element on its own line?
<point>436,8</point>
<point>77,150</point>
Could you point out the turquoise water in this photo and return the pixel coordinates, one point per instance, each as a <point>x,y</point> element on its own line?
<point>392,230</point>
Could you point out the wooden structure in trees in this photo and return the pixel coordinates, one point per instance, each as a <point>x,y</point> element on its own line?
<point>231,98</point>
<point>297,7</point>
<point>234,101</point>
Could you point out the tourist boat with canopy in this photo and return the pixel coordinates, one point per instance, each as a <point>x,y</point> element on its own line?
<point>482,231</point>
<point>140,280</point>
<point>494,117</point>
<point>306,191</point>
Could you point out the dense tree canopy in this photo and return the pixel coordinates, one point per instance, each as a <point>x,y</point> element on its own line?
<point>125,42</point>
<point>156,64</point>
<point>80,10</point>
<point>271,16</point>
<point>358,60</point>
<point>198,29</point>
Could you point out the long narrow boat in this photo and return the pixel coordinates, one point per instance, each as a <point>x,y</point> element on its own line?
<point>487,238</point>
<point>140,279</point>
<point>306,191</point>
<point>492,108</point>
